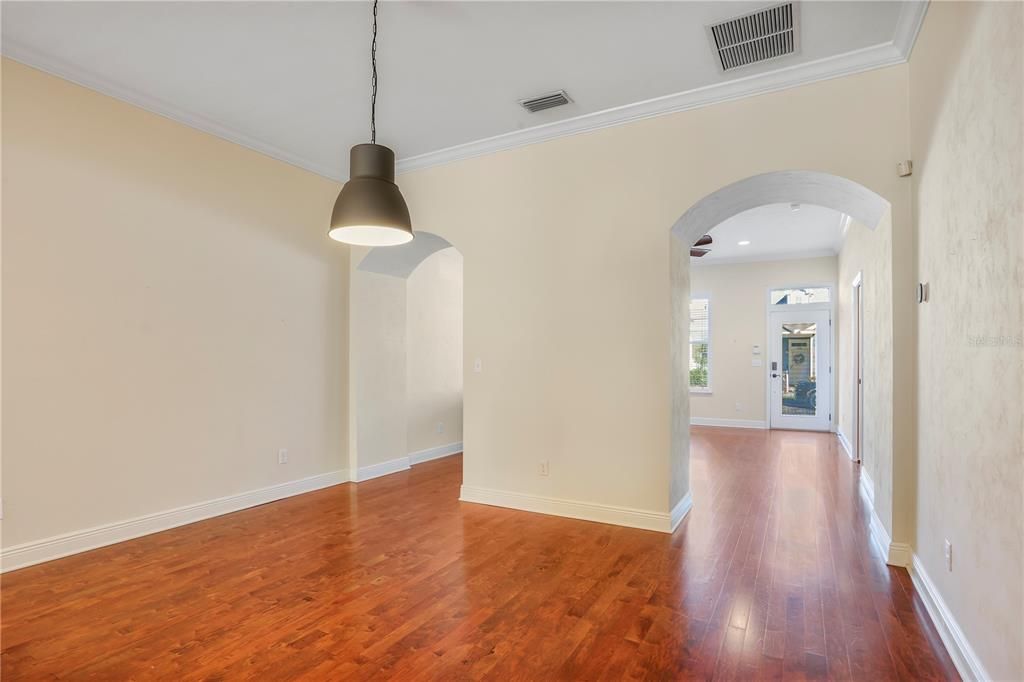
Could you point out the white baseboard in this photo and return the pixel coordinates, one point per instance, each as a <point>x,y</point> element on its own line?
<point>438,452</point>
<point>845,442</point>
<point>553,506</point>
<point>960,650</point>
<point>895,553</point>
<point>680,511</point>
<point>391,466</point>
<point>58,546</point>
<point>879,535</point>
<point>900,554</point>
<point>867,487</point>
<point>732,423</point>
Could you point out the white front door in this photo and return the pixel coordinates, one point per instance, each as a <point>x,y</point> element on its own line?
<point>799,369</point>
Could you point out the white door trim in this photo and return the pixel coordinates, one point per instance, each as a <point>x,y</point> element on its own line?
<point>831,306</point>
<point>828,423</point>
<point>857,371</point>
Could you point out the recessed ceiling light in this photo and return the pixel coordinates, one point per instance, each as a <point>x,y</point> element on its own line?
<point>743,243</point>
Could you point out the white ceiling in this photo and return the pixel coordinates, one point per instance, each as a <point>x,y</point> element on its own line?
<point>291,79</point>
<point>775,232</point>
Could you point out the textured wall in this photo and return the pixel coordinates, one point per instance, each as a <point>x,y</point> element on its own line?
<point>434,351</point>
<point>870,253</point>
<point>173,314</point>
<point>966,80</point>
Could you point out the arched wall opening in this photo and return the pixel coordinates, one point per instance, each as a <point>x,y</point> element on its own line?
<point>405,356</point>
<point>867,252</point>
<point>804,187</point>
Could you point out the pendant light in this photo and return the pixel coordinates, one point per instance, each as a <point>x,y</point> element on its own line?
<point>370,210</point>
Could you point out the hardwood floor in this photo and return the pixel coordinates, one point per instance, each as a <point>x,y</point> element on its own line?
<point>772,575</point>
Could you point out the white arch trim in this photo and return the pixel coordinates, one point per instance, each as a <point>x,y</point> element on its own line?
<point>400,261</point>
<point>805,187</point>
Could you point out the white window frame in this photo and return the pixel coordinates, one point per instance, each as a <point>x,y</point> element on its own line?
<point>689,349</point>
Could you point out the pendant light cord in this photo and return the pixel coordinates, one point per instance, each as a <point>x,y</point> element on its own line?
<point>373,90</point>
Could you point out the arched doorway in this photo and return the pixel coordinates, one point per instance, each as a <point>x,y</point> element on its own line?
<point>870,216</point>
<point>806,187</point>
<point>405,402</point>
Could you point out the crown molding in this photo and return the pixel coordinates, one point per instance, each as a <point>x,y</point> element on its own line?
<point>896,51</point>
<point>908,26</point>
<point>31,57</point>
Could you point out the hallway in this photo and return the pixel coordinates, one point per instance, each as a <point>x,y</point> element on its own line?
<point>771,573</point>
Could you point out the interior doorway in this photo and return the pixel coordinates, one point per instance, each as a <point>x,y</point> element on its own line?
<point>406,384</point>
<point>800,368</point>
<point>857,304</point>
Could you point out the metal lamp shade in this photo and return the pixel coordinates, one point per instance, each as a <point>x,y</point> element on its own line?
<point>370,210</point>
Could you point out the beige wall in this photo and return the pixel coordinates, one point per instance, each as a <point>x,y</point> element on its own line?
<point>173,314</point>
<point>869,252</point>
<point>434,351</point>
<point>378,365</point>
<point>406,360</point>
<point>739,299</point>
<point>567,288</point>
<point>966,77</point>
<point>678,468</point>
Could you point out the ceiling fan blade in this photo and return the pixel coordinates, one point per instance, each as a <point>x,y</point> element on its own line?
<point>703,241</point>
<point>697,253</point>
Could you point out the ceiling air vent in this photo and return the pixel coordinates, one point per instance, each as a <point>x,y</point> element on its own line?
<point>756,37</point>
<point>548,101</point>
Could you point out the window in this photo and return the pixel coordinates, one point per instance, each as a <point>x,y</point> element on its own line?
<point>802,295</point>
<point>700,345</point>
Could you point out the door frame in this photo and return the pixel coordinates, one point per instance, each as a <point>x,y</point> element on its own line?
<point>857,373</point>
<point>831,308</point>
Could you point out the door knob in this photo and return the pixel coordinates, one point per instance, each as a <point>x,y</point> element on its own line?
<point>774,375</point>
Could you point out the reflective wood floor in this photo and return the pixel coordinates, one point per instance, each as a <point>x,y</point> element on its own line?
<point>771,576</point>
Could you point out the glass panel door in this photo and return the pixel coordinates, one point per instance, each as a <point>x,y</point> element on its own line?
<point>799,371</point>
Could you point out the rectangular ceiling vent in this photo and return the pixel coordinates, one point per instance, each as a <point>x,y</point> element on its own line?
<point>766,34</point>
<point>548,101</point>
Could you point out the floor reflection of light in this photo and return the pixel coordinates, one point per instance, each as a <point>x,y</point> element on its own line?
<point>740,611</point>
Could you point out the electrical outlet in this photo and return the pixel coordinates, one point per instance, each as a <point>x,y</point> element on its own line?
<point>440,427</point>
<point>282,456</point>
<point>949,555</point>
<point>542,467</point>
<point>739,406</point>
